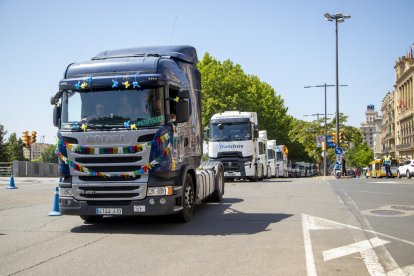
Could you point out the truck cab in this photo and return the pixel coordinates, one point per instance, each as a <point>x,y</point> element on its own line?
<point>233,139</point>
<point>263,154</point>
<point>129,139</point>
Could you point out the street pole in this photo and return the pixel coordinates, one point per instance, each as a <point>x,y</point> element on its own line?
<point>326,128</point>
<point>339,18</point>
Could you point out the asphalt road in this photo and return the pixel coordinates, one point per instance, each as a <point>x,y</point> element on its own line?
<point>301,226</point>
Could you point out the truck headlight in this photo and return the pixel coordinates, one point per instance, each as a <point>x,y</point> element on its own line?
<point>247,163</point>
<point>65,192</point>
<point>159,191</point>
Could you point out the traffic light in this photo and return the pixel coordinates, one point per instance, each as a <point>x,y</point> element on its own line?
<point>342,135</point>
<point>333,137</point>
<point>26,139</point>
<point>33,136</point>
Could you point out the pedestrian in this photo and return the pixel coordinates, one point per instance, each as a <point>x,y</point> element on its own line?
<point>387,164</point>
<point>343,166</point>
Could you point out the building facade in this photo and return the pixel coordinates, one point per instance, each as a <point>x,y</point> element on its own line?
<point>371,130</point>
<point>404,94</point>
<point>388,124</point>
<point>37,149</point>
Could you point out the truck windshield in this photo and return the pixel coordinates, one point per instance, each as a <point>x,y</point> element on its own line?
<point>113,109</point>
<point>230,132</point>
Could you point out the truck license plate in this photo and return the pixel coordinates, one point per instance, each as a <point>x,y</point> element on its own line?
<point>109,211</point>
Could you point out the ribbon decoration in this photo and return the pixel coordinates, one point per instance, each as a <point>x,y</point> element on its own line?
<point>115,150</point>
<point>62,146</point>
<point>144,169</point>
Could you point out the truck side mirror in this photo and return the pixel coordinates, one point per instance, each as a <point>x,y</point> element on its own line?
<point>56,116</point>
<point>256,132</point>
<point>182,110</point>
<point>184,94</point>
<point>206,130</point>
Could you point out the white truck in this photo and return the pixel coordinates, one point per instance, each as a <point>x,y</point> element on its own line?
<point>271,154</point>
<point>263,154</point>
<point>233,139</point>
<point>281,161</point>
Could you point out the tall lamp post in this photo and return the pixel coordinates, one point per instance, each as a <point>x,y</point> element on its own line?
<point>326,130</point>
<point>338,18</point>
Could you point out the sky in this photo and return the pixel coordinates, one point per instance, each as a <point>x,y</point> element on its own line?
<point>288,44</point>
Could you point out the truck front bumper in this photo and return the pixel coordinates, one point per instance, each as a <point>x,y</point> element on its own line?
<point>150,206</point>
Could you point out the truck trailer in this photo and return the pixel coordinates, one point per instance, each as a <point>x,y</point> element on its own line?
<point>130,135</point>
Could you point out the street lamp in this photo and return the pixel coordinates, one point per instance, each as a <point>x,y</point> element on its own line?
<point>338,18</point>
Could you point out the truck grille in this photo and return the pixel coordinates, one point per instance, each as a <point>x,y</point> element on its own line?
<point>114,192</point>
<point>233,166</point>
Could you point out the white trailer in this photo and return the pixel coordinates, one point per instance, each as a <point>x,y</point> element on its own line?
<point>263,155</point>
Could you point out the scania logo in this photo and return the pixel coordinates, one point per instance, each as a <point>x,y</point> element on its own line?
<point>106,139</point>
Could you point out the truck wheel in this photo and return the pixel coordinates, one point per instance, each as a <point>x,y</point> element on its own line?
<point>187,212</point>
<point>262,175</point>
<point>255,178</point>
<point>218,193</point>
<point>91,219</point>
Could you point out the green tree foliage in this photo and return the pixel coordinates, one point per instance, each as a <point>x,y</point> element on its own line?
<point>360,155</point>
<point>14,148</point>
<point>226,87</point>
<point>49,155</point>
<point>3,152</point>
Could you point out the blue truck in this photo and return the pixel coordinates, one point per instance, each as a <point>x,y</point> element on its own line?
<point>130,135</point>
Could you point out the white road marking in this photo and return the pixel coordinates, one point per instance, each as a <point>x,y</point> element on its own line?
<point>352,248</point>
<point>407,270</point>
<point>310,262</point>
<point>357,228</point>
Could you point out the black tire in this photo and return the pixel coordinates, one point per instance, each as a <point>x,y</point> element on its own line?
<point>255,178</point>
<point>408,174</point>
<point>218,193</point>
<point>91,219</point>
<point>262,176</point>
<point>186,214</point>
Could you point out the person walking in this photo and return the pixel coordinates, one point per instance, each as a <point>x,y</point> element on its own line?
<point>387,164</point>
<point>343,166</point>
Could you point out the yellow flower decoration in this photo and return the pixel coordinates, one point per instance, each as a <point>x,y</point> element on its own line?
<point>134,126</point>
<point>84,85</point>
<point>84,127</point>
<point>127,84</point>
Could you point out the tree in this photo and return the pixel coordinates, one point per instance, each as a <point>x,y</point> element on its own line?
<point>49,155</point>
<point>14,148</point>
<point>360,155</point>
<point>226,87</point>
<point>3,153</point>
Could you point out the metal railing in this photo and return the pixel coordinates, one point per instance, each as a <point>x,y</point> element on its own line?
<point>6,168</point>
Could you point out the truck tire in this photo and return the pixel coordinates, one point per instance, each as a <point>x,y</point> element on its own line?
<point>218,193</point>
<point>255,178</point>
<point>91,219</point>
<point>186,214</point>
<point>262,176</point>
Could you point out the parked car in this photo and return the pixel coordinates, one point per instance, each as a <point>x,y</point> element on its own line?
<point>406,169</point>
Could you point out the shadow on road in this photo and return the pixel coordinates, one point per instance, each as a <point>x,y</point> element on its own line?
<point>209,219</point>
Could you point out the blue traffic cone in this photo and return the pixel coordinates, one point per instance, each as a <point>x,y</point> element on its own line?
<point>56,211</point>
<point>11,184</point>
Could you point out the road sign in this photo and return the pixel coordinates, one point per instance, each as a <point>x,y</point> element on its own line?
<point>338,150</point>
<point>329,141</point>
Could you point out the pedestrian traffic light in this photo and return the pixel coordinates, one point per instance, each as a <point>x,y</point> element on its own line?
<point>33,136</point>
<point>26,139</point>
